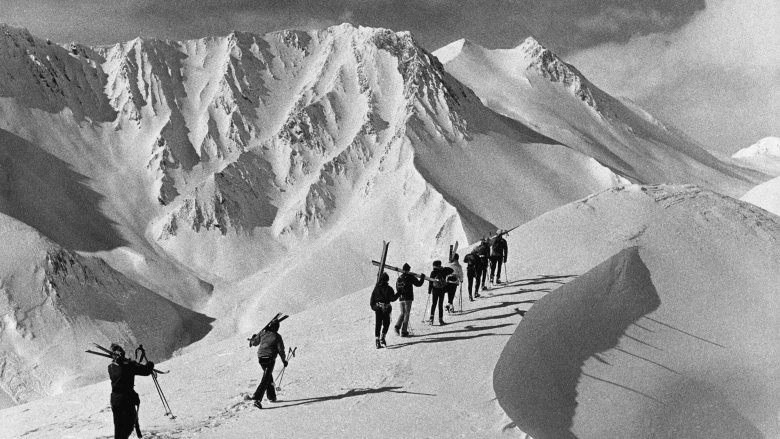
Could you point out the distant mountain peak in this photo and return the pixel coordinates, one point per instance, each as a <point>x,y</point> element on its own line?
<point>549,65</point>
<point>768,146</point>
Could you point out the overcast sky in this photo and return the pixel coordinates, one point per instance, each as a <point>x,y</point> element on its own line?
<point>662,53</point>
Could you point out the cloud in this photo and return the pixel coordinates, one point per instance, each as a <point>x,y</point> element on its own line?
<point>622,19</point>
<point>717,78</point>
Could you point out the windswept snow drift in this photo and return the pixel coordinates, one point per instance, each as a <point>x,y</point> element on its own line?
<point>766,196</point>
<point>674,335</point>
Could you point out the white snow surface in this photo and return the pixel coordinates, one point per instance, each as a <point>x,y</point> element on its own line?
<point>638,324</point>
<point>763,155</point>
<point>766,196</point>
<point>768,146</point>
<point>673,335</point>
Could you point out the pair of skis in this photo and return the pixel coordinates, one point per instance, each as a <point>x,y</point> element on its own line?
<point>108,354</point>
<point>278,318</point>
<point>382,263</point>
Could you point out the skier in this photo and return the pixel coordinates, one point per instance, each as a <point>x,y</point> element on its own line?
<point>436,288</point>
<point>455,279</point>
<point>483,254</point>
<point>471,272</point>
<point>404,286</point>
<point>124,399</point>
<point>381,298</point>
<point>269,345</point>
<point>498,252</point>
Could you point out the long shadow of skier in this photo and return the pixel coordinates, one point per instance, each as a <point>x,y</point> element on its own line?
<point>446,339</point>
<point>436,337</point>
<point>503,304</point>
<point>348,394</point>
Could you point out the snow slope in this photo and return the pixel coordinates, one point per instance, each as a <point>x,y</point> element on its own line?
<point>672,335</point>
<point>665,333</point>
<point>436,384</point>
<point>531,84</point>
<point>766,196</point>
<point>53,302</point>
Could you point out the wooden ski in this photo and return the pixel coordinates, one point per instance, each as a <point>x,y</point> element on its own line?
<point>453,250</point>
<point>381,264</point>
<point>392,268</point>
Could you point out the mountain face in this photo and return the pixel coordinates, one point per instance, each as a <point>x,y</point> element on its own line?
<point>238,175</point>
<point>531,84</point>
<point>54,302</point>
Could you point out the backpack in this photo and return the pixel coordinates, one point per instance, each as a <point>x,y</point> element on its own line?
<point>400,284</point>
<point>497,246</point>
<point>440,281</point>
<point>255,340</point>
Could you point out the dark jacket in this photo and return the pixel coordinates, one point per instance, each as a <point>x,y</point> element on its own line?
<point>383,293</point>
<point>270,345</point>
<point>471,262</point>
<point>123,374</point>
<point>499,249</point>
<point>483,253</point>
<point>410,281</point>
<point>436,273</point>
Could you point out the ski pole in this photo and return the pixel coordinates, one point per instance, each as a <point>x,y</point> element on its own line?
<point>461,297</point>
<point>426,307</point>
<point>166,406</point>
<point>290,354</point>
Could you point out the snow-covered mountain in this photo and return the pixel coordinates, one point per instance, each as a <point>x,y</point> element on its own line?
<point>54,302</point>
<point>239,175</point>
<point>763,155</point>
<point>248,161</point>
<point>530,84</point>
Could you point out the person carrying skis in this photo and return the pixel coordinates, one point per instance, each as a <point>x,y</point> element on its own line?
<point>471,272</point>
<point>124,399</point>
<point>483,254</point>
<point>404,286</point>
<point>498,253</point>
<point>381,298</point>
<point>454,280</point>
<point>437,289</point>
<point>269,345</point>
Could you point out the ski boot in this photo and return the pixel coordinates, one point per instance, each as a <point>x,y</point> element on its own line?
<point>258,405</point>
<point>383,342</point>
<point>378,344</point>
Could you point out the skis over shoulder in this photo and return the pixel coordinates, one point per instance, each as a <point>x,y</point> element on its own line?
<point>382,261</point>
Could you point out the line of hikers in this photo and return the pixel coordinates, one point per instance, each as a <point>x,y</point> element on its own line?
<point>443,280</point>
